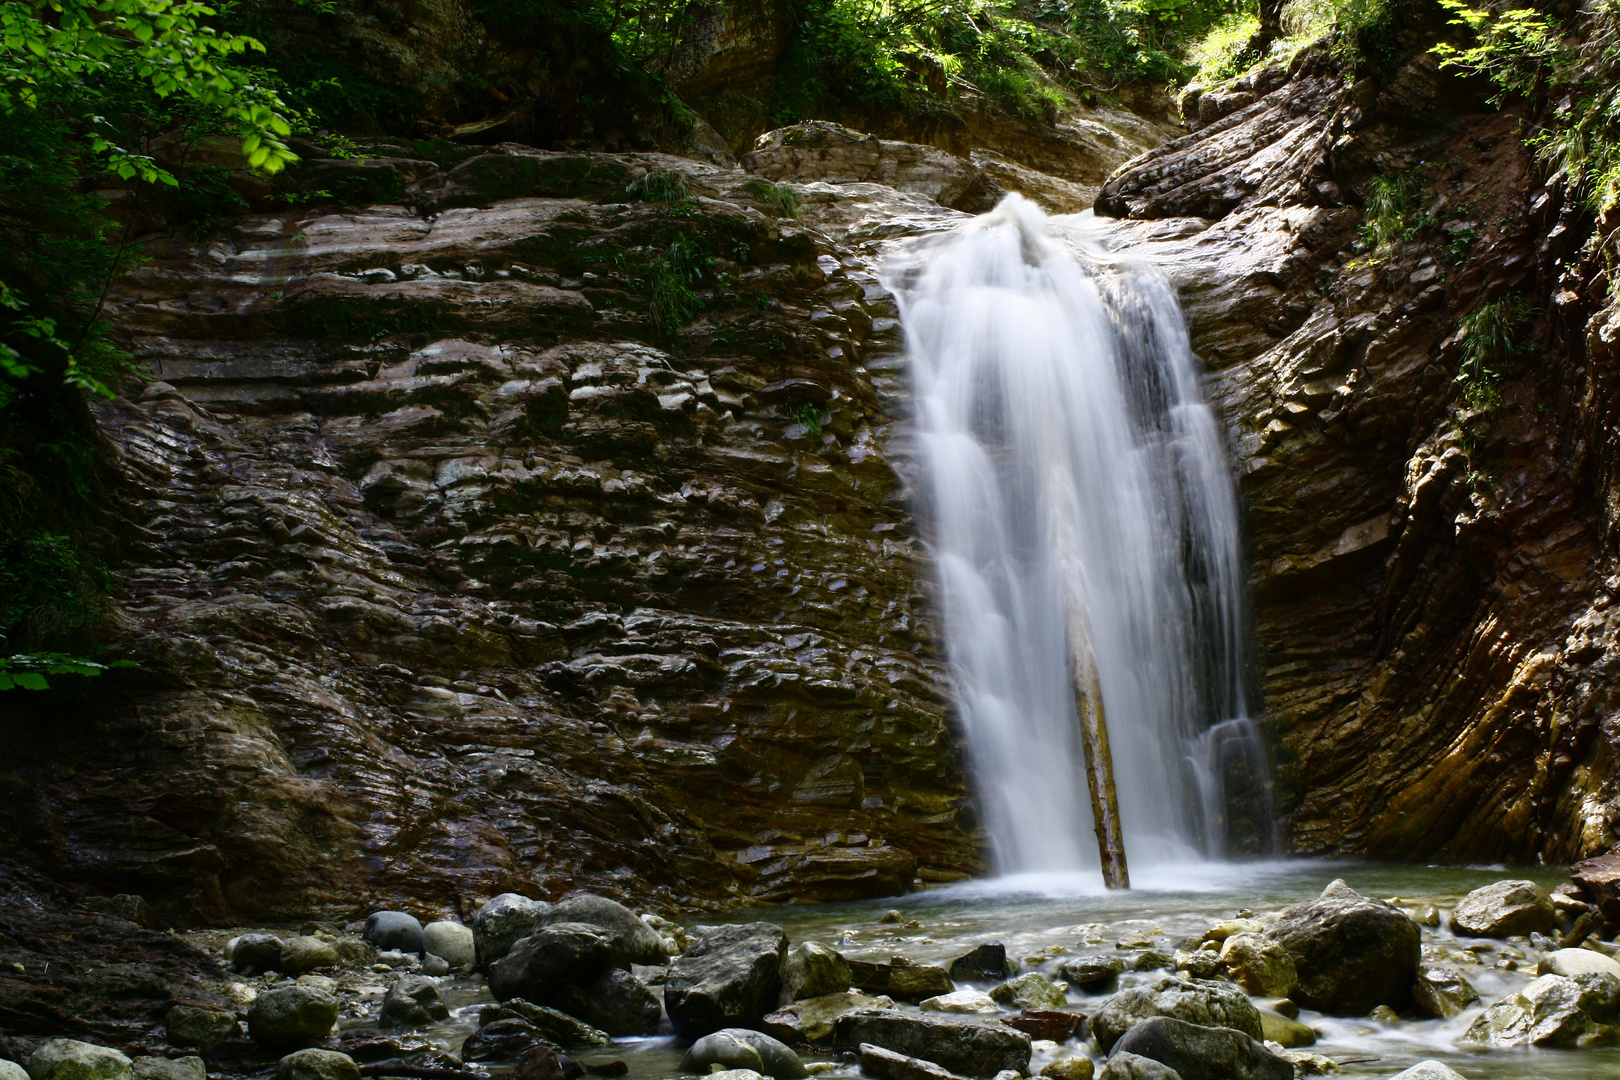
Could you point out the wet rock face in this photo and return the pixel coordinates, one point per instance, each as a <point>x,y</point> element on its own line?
<point>1433,611</point>
<point>457,567</point>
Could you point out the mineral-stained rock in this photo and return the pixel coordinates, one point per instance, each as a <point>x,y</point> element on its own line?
<point>1207,1003</point>
<point>315,1064</point>
<point>740,1048</point>
<point>1132,1067</point>
<point>1031,990</point>
<point>731,977</point>
<point>292,1016</point>
<point>1552,1011</point>
<point>812,970</point>
<point>617,1002</point>
<point>1261,966</point>
<point>1058,1025</point>
<point>1197,1052</point>
<point>1599,879</point>
<point>500,923</point>
<point>188,1025</point>
<point>888,1065</point>
<point>1093,974</point>
<point>812,1020</point>
<point>69,1059</point>
<point>412,1001</point>
<point>1351,952</point>
<point>986,963</point>
<point>1442,992</point>
<point>555,956</point>
<point>394,930</point>
<point>906,981</point>
<point>961,1046</point>
<point>1505,909</point>
<point>634,942</point>
<point>452,942</point>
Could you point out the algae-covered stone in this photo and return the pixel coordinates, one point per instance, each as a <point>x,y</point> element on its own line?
<point>812,1020</point>
<point>317,1065</point>
<point>301,955</point>
<point>1554,1011</point>
<point>1505,909</point>
<point>1259,965</point>
<point>812,970</point>
<point>10,1070</point>
<point>292,1016</point>
<point>70,1059</point>
<point>162,1068</point>
<point>1030,991</point>
<point>1069,1067</point>
<point>1213,1004</point>
<point>188,1025</point>
<point>1285,1031</point>
<point>1442,992</point>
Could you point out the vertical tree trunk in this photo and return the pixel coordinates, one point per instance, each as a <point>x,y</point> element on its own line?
<point>1088,707</point>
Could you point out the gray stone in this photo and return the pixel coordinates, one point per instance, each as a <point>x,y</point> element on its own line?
<point>554,1026</point>
<point>292,1016</point>
<point>903,979</point>
<point>1259,965</point>
<point>453,942</point>
<point>317,1065</point>
<point>740,1048</point>
<point>819,150</point>
<point>634,942</point>
<point>1213,1004</point>
<point>500,923</point>
<point>188,1025</point>
<point>1196,1052</point>
<point>987,963</point>
<point>540,965</point>
<point>412,1001</point>
<point>1442,992</point>
<point>731,978</point>
<point>503,1040</point>
<point>162,1068</point>
<point>812,1020</point>
<point>1093,974</point>
<point>961,1046</point>
<point>962,1001</point>
<point>887,1065</point>
<point>812,970</point>
<point>10,1070</point>
<point>617,1002</point>
<point>1031,990</point>
<point>70,1059</point>
<point>1428,1070</point>
<point>1572,962</point>
<point>1199,963</point>
<point>434,965</point>
<point>1505,909</point>
<point>394,930</point>
<point>1553,1011</point>
<point>735,1074</point>
<point>1132,1067</point>
<point>1351,952</point>
<point>255,954</point>
<point>301,955</point>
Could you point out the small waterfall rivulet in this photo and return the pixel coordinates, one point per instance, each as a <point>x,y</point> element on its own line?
<point>1069,458</point>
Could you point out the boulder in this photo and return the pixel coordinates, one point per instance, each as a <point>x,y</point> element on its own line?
<point>412,1001</point>
<point>820,150</point>
<point>1572,962</point>
<point>1132,1067</point>
<point>731,978</point>
<point>634,942</point>
<point>905,981</point>
<point>1211,1004</point>
<point>1093,974</point>
<point>1505,909</point>
<point>162,1068</point>
<point>255,954</point>
<point>1069,1067</point>
<point>292,1016</point>
<point>1196,1052</point>
<point>1285,1031</point>
<point>394,931</point>
<point>301,955</point>
<point>1351,952</point>
<point>317,1065</point>
<point>812,1020</point>
<point>961,1001</point>
<point>986,963</point>
<point>1441,992</point>
<point>555,956</point>
<point>1058,1025</point>
<point>740,1048</point>
<point>1260,965</point>
<point>961,1046</point>
<point>1031,990</point>
<point>1199,963</point>
<point>1428,1070</point>
<point>70,1059</point>
<point>1553,1011</point>
<point>887,1065</point>
<point>1599,881</point>
<point>451,941</point>
<point>188,1025</point>
<point>555,1028</point>
<point>501,922</point>
<point>616,1001</point>
<point>503,1040</point>
<point>812,970</point>
<point>10,1070</point>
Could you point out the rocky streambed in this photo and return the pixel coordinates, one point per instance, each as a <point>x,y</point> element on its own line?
<point>1263,972</point>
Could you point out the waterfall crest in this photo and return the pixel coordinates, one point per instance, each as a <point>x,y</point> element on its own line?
<point>1070,463</point>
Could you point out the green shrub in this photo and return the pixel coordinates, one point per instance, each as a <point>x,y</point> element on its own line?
<point>779,197</point>
<point>1490,341</point>
<point>1224,52</point>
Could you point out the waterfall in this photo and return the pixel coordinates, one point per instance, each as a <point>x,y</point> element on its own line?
<point>1069,458</point>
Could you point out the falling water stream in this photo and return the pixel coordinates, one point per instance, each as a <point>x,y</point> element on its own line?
<point>1071,465</point>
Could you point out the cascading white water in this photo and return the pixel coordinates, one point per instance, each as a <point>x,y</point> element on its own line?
<point>1069,458</point>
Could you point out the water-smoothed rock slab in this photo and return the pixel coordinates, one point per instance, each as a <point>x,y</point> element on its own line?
<point>960,1046</point>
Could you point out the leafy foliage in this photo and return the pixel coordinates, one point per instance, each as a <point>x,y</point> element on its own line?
<point>1515,49</point>
<point>28,671</point>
